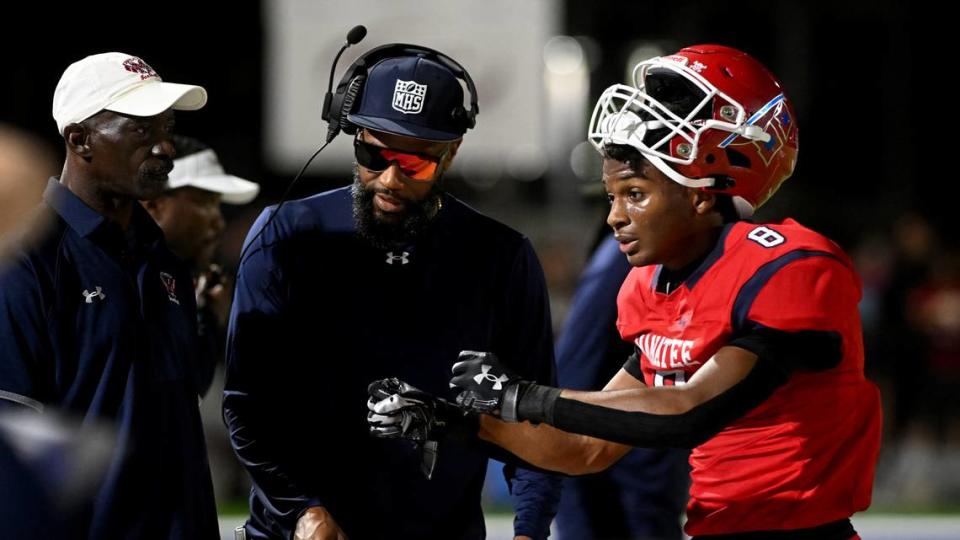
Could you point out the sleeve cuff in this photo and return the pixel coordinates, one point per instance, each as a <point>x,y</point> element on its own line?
<point>308,504</point>
<point>527,528</point>
<point>632,366</point>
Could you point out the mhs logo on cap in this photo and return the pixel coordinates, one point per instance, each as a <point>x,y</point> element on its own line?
<point>408,97</point>
<point>136,65</point>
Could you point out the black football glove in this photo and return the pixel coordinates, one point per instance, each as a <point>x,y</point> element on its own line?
<point>400,411</point>
<point>487,386</point>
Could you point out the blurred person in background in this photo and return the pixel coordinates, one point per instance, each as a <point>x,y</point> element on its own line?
<point>189,214</point>
<point>643,494</point>
<point>934,314</point>
<point>900,342</point>
<point>916,350</point>
<point>25,165</point>
<point>28,504</point>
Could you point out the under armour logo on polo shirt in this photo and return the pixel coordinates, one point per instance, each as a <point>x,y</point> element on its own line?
<point>171,285</point>
<point>403,258</point>
<point>486,375</point>
<point>97,293</point>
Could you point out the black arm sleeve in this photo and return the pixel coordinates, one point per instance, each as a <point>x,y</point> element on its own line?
<point>632,365</point>
<point>806,350</point>
<point>779,353</point>
<point>685,430</point>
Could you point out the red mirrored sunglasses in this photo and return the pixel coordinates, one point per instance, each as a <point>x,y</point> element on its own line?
<point>413,165</point>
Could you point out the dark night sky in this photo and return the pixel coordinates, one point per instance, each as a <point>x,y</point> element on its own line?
<point>868,80</point>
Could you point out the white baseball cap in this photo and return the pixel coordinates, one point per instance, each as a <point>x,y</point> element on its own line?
<point>203,170</point>
<point>121,83</point>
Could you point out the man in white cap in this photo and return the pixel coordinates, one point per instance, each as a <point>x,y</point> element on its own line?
<point>189,215</point>
<point>98,317</point>
<point>189,210</point>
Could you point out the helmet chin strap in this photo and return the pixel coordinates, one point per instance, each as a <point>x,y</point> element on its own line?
<point>677,177</point>
<point>742,206</point>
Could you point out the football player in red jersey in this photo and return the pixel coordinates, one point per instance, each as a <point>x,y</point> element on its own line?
<point>748,339</point>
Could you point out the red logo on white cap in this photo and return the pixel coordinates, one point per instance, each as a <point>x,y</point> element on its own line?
<point>136,65</point>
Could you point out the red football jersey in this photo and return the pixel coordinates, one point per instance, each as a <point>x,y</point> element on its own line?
<point>806,455</point>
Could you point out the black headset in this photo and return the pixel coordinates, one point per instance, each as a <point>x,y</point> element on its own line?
<point>350,87</point>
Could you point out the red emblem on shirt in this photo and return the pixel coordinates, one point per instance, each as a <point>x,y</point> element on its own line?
<point>171,285</point>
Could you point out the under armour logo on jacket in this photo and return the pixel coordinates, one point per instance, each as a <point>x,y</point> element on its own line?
<point>97,293</point>
<point>404,258</point>
<point>485,374</point>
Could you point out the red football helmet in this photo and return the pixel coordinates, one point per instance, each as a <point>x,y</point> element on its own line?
<point>707,116</point>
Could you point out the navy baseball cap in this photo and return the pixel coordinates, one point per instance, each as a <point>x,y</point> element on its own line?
<point>411,96</point>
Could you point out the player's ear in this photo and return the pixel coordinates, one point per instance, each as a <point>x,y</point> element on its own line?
<point>703,201</point>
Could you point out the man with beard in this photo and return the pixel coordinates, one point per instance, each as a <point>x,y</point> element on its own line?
<point>390,277</point>
<point>97,316</point>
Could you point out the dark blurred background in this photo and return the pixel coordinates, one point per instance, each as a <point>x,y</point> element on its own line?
<point>871,82</point>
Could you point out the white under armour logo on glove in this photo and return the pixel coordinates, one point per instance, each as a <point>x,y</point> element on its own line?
<point>485,374</point>
<point>470,375</point>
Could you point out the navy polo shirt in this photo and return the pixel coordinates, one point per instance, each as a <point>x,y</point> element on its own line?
<point>101,324</point>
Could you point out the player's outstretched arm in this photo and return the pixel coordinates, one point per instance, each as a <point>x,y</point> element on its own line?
<point>588,431</point>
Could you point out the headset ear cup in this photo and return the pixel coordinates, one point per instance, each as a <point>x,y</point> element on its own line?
<point>464,117</point>
<point>459,116</point>
<point>349,98</point>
